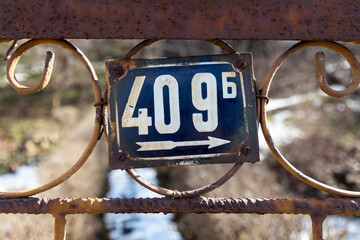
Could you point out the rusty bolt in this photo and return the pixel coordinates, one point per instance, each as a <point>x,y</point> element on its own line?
<point>122,157</point>
<point>118,71</point>
<point>241,64</point>
<point>246,150</point>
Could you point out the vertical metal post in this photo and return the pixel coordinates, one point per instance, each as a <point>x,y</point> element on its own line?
<point>60,223</point>
<point>317,226</point>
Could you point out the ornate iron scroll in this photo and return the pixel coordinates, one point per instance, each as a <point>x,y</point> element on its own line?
<point>13,60</point>
<point>320,69</point>
<point>262,101</point>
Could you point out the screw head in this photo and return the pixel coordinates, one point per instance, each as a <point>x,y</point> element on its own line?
<point>121,157</point>
<point>241,64</point>
<point>118,71</point>
<point>246,150</point>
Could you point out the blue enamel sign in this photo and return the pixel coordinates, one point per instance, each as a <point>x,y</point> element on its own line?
<point>181,111</point>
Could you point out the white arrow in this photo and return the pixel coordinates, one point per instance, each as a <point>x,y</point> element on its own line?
<point>168,145</point>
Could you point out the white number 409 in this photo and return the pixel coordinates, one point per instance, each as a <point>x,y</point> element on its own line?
<point>201,103</point>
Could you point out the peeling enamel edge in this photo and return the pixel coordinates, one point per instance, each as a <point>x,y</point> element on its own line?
<point>183,64</point>
<point>182,157</point>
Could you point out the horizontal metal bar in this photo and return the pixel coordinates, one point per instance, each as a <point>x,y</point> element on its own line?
<point>178,19</point>
<point>330,206</point>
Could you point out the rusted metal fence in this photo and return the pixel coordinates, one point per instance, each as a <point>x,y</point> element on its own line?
<point>278,20</point>
<point>318,209</point>
<point>186,201</point>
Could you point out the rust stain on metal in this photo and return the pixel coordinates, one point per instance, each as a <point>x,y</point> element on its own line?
<point>246,150</point>
<point>59,228</point>
<point>318,209</point>
<point>241,64</point>
<point>113,135</point>
<point>258,19</point>
<point>313,207</point>
<point>127,63</point>
<point>317,225</point>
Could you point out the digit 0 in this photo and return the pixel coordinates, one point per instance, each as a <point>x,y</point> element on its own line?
<point>159,84</point>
